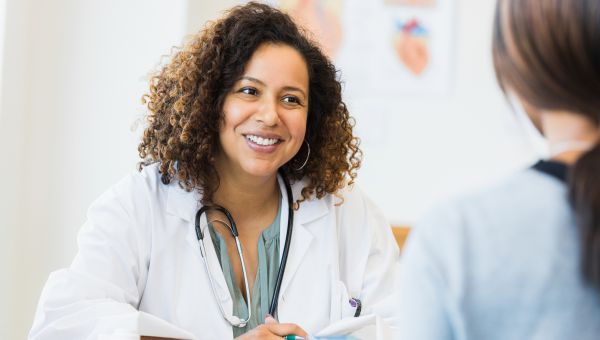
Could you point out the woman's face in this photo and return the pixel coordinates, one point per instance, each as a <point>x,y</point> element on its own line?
<point>265,113</point>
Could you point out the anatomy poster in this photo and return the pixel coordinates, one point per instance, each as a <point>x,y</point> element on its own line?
<point>384,47</point>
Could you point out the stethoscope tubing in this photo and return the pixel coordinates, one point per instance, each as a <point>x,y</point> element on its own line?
<point>286,248</point>
<point>232,227</point>
<point>234,320</point>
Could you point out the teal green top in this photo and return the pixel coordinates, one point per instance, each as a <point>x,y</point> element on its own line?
<point>266,276</point>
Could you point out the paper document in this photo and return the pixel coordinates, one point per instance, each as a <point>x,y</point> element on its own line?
<point>142,323</point>
<point>366,327</point>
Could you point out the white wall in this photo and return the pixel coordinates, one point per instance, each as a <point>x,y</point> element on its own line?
<point>2,37</point>
<point>201,11</point>
<point>5,264</point>
<point>74,72</point>
<point>12,99</point>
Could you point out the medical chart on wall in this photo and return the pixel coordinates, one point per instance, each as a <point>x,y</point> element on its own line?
<point>383,47</point>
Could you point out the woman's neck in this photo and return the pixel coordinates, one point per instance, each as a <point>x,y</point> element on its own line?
<point>246,196</point>
<point>569,135</point>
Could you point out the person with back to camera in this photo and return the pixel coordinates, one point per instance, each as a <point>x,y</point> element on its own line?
<point>522,260</point>
<point>243,207</point>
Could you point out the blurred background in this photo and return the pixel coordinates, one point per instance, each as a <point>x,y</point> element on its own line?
<point>73,72</point>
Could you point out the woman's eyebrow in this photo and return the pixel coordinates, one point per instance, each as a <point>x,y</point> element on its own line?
<point>296,89</point>
<point>253,80</point>
<point>285,88</point>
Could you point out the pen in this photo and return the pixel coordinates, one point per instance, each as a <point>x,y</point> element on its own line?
<point>293,337</point>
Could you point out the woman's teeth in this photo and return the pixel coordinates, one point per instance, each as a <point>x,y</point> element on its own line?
<point>262,141</point>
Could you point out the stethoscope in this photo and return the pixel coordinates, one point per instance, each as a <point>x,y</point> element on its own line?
<point>235,320</point>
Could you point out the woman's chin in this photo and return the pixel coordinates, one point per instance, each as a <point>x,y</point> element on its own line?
<point>260,170</point>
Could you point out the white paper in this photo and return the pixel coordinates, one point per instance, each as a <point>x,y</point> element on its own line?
<point>364,327</point>
<point>144,324</point>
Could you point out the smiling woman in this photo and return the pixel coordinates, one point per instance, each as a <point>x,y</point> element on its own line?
<point>243,204</point>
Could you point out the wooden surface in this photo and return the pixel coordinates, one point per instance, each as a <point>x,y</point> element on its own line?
<point>400,233</point>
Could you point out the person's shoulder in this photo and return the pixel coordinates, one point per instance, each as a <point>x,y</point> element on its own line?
<point>352,196</point>
<point>504,204</point>
<point>350,204</point>
<point>524,192</point>
<point>348,197</point>
<point>353,204</point>
<point>147,178</point>
<point>140,185</point>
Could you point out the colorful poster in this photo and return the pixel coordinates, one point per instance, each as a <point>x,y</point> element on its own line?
<point>386,47</point>
<point>411,2</point>
<point>322,18</point>
<point>411,42</point>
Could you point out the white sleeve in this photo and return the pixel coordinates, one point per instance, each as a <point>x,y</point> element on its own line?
<point>101,290</point>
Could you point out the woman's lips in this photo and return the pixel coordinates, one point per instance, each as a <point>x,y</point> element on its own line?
<point>262,143</point>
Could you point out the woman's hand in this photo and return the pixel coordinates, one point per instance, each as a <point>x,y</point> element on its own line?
<point>274,330</point>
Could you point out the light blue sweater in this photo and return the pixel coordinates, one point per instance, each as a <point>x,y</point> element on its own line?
<point>502,264</point>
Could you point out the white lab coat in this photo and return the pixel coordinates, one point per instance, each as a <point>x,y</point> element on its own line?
<point>138,253</point>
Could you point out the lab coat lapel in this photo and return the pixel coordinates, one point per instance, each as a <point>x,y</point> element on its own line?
<point>302,238</point>
<point>185,205</point>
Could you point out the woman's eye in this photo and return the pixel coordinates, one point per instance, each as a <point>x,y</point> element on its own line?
<point>291,100</point>
<point>249,90</point>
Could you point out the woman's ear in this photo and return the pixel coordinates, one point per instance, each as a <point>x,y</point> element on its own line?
<point>525,110</point>
<point>534,114</point>
<point>530,118</point>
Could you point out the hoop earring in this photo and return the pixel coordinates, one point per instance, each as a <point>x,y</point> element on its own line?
<point>307,157</point>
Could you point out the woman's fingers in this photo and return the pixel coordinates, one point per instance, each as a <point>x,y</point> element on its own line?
<point>283,329</point>
<point>270,320</point>
<point>272,329</point>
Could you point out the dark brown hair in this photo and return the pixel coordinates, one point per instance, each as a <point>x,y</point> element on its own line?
<point>186,98</point>
<point>548,53</point>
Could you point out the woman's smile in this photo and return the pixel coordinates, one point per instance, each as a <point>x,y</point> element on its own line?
<point>262,143</point>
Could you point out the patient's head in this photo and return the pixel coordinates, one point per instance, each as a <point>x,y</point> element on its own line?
<point>548,53</point>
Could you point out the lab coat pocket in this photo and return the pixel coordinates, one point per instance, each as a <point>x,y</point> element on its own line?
<point>342,307</point>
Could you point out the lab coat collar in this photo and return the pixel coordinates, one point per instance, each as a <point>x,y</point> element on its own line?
<point>182,203</point>
<point>310,209</point>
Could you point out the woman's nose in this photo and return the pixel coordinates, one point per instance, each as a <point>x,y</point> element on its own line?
<point>267,114</point>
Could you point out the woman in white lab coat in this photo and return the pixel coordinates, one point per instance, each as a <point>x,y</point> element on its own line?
<point>247,105</point>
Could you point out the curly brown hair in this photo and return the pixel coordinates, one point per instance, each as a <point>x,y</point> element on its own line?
<point>186,96</point>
